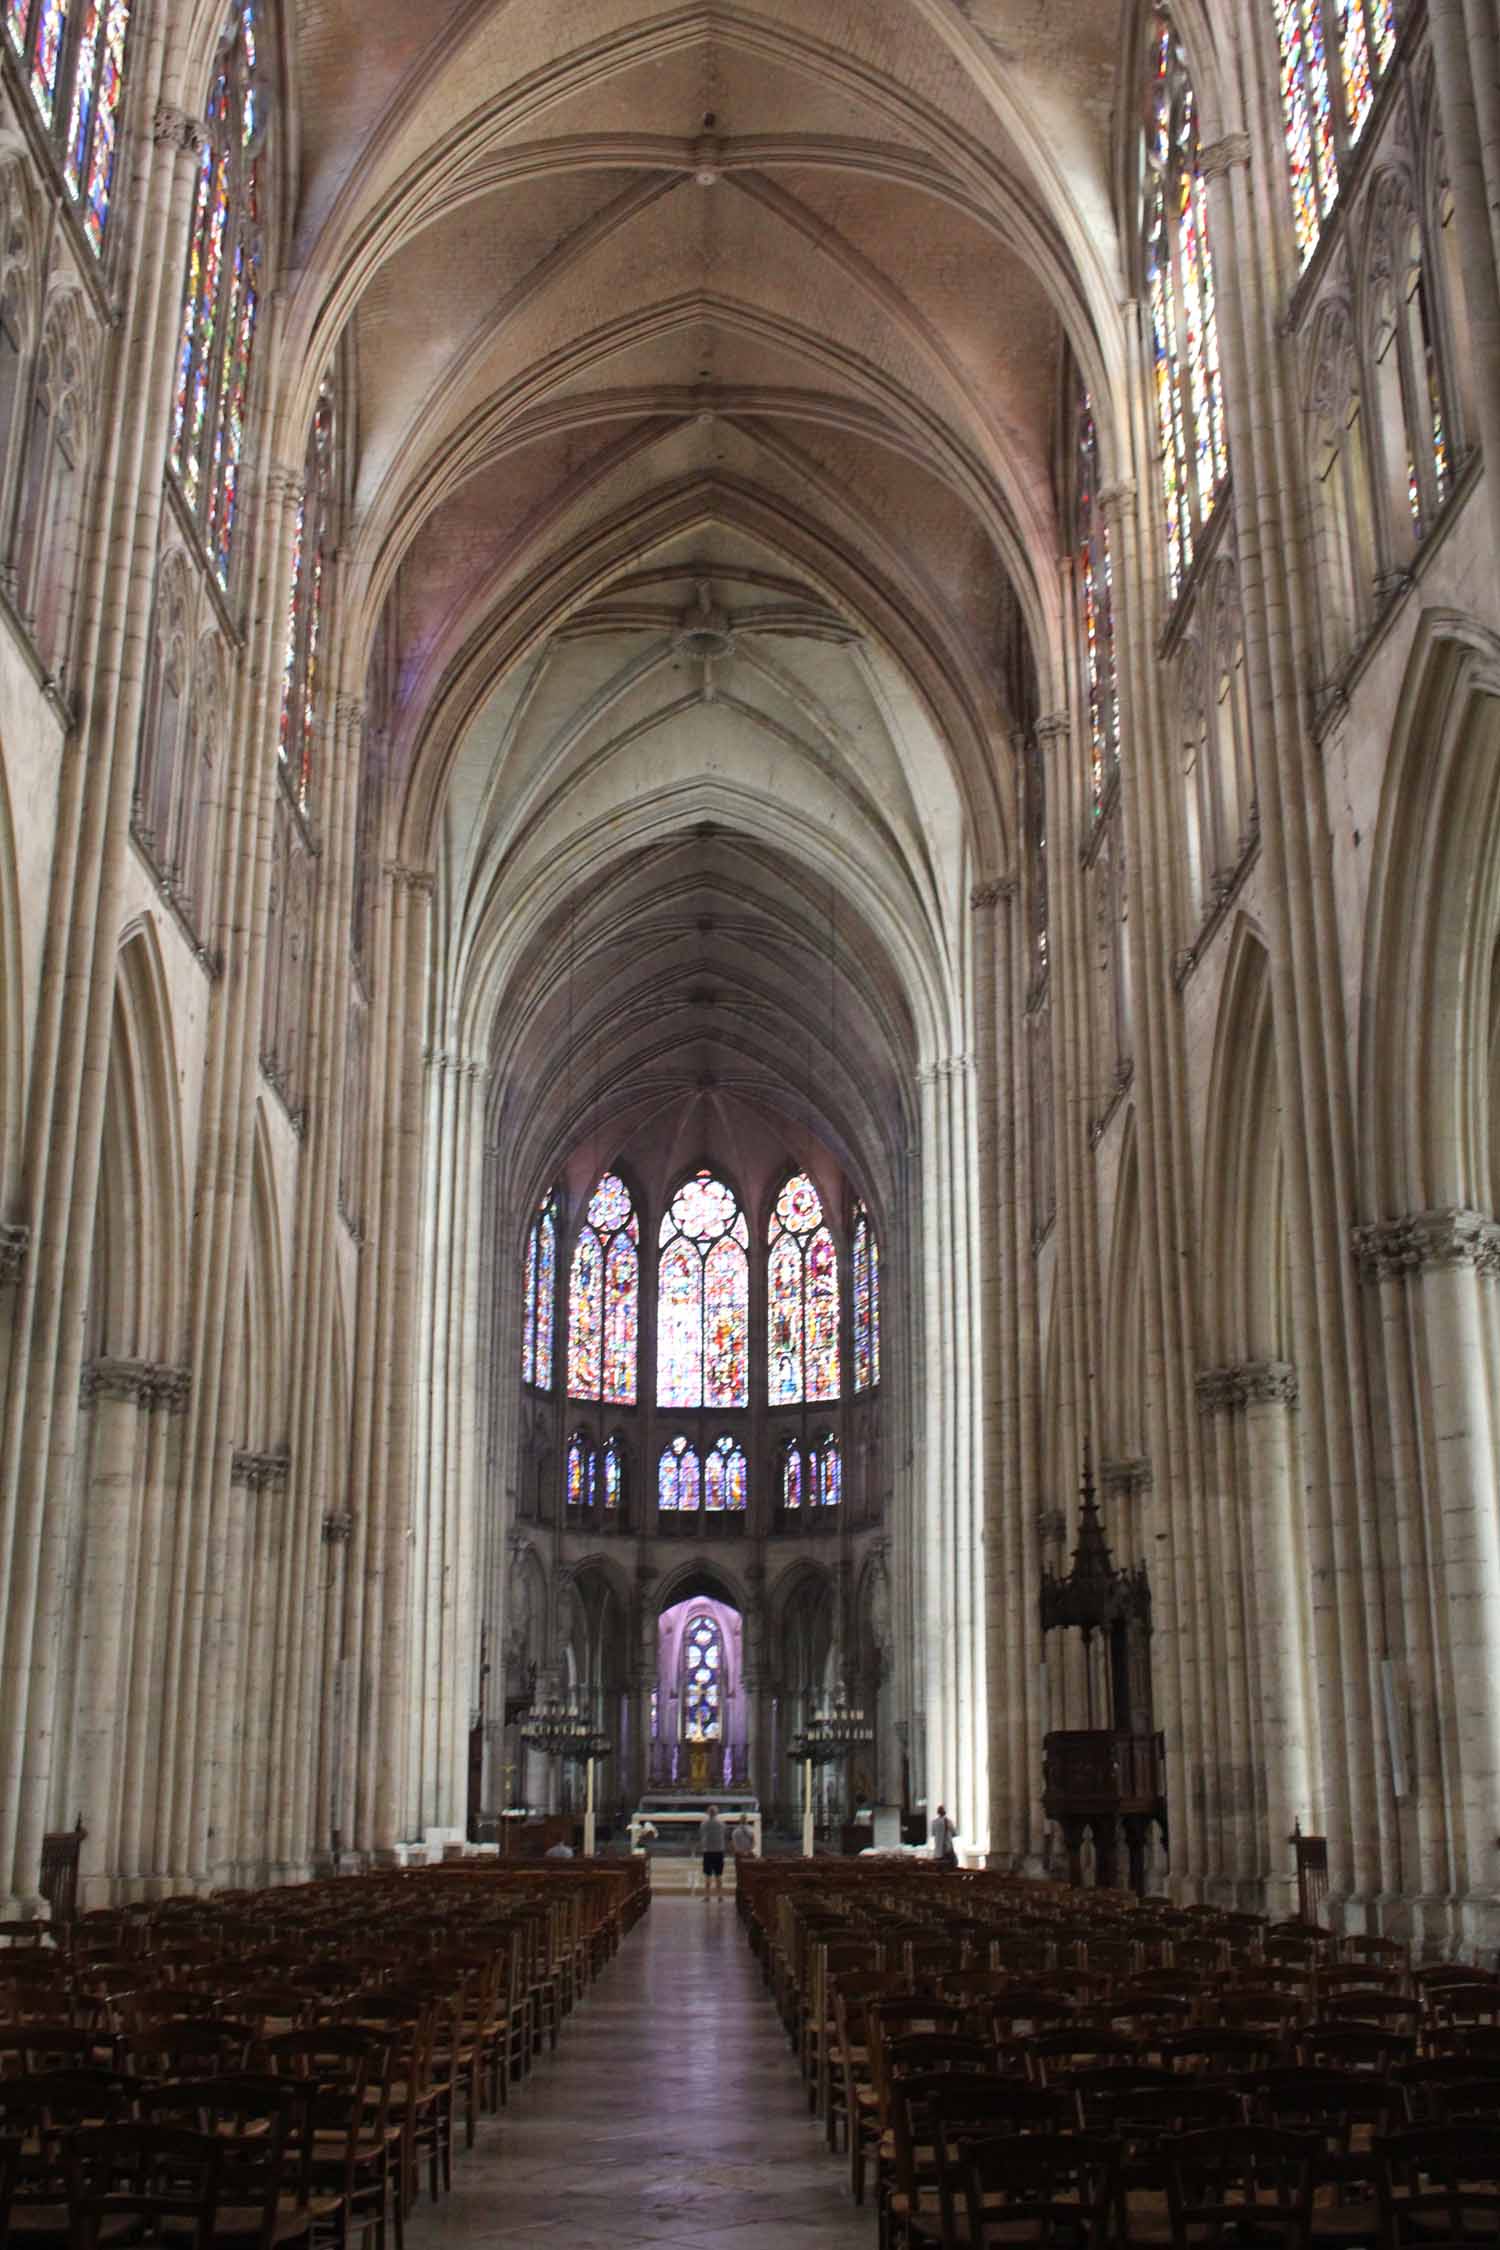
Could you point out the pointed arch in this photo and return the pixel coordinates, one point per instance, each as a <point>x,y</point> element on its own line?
<point>703,1297</point>
<point>802,1297</point>
<point>1431,982</point>
<point>135,1306</point>
<point>604,1297</point>
<point>262,1412</point>
<point>1123,1403</point>
<point>1246,1299</point>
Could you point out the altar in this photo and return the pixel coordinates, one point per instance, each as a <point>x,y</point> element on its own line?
<point>677,1819</point>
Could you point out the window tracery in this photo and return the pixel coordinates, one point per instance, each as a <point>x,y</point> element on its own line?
<point>726,1479</point>
<point>175,806</point>
<point>604,1297</point>
<point>1095,587</point>
<point>73,61</point>
<point>702,1681</point>
<point>703,1298</point>
<point>678,1478</point>
<point>614,1472</point>
<point>582,1473</point>
<point>311,542</point>
<point>47,531</point>
<point>538,1309</point>
<point>865,1262</point>
<point>221,295</point>
<point>802,1291</point>
<point>1191,432</point>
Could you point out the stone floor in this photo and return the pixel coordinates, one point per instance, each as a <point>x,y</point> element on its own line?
<point>672,2112</point>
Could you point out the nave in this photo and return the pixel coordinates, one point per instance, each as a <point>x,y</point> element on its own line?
<point>671,2114</point>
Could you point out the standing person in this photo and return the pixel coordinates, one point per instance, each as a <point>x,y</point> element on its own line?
<point>711,1844</point>
<point>742,1839</point>
<point>943,1833</point>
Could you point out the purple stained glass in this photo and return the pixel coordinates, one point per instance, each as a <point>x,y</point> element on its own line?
<point>828,1474</point>
<point>802,1298</point>
<point>702,1681</point>
<point>528,1311</point>
<point>604,1298</point>
<point>678,1478</point>
<point>703,1288</point>
<point>49,31</point>
<point>586,1317</point>
<point>578,1473</point>
<point>17,16</point>
<point>866,1262</point>
<point>541,1296</point>
<point>791,1475</point>
<point>725,1480</point>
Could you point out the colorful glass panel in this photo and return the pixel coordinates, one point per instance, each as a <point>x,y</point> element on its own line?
<point>678,1478</point>
<point>221,297</point>
<point>614,1473</point>
<point>802,1298</point>
<point>16,14</point>
<point>49,31</point>
<point>703,1299</point>
<point>702,1680</point>
<point>1187,378</point>
<point>828,1474</point>
<point>1096,590</point>
<point>1307,115</point>
<point>541,1297</point>
<point>866,1303</point>
<point>725,1478</point>
<point>580,1473</point>
<point>528,1310</point>
<point>791,1475</point>
<point>603,1298</point>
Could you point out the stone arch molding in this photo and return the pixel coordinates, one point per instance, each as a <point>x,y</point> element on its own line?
<point>1429,1120</point>
<point>138,1281</point>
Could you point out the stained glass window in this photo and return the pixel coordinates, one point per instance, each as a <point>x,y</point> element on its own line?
<point>702,1681</point>
<point>582,1472</point>
<point>604,1296</point>
<point>541,1296</point>
<point>221,297</point>
<point>726,1479</point>
<point>791,1474</point>
<point>866,1264</point>
<point>678,1478</point>
<point>1194,456</point>
<point>614,1473</point>
<point>1096,601</point>
<point>703,1298</point>
<point>1360,35</point>
<point>311,538</point>
<point>802,1289</point>
<point>827,1474</point>
<point>73,59</point>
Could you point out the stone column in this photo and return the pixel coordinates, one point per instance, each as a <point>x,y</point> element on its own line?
<point>1448,1262</point>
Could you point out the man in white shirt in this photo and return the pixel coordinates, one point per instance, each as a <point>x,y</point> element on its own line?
<point>940,1836</point>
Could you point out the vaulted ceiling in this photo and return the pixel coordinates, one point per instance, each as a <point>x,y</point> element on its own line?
<point>706,362</point>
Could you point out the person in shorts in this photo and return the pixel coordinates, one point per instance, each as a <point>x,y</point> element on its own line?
<point>711,1844</point>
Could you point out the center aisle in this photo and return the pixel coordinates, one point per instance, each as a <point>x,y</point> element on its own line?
<point>671,2113</point>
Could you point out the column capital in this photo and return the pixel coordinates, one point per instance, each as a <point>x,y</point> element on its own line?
<point>15,1242</point>
<point>1250,1382</point>
<point>259,1472</point>
<point>1115,498</point>
<point>1389,1248</point>
<point>1219,158</point>
<point>172,127</point>
<point>1051,725</point>
<point>148,1383</point>
<point>998,893</point>
<point>403,878</point>
<point>349,711</point>
<point>284,484</point>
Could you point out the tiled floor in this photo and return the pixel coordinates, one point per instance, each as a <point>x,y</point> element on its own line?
<point>672,2112</point>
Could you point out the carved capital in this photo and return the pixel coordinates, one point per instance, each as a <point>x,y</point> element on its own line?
<point>338,1528</point>
<point>349,713</point>
<point>147,1383</point>
<point>174,128</point>
<point>1053,726</point>
<point>1253,1382</point>
<point>259,1472</point>
<point>402,878</point>
<point>1219,158</point>
<point>1116,498</point>
<point>998,893</point>
<point>1392,1247</point>
<point>15,1241</point>
<point>1125,1478</point>
<point>284,485</point>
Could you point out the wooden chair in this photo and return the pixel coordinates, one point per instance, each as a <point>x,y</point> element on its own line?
<point>1246,2183</point>
<point>1353,2046</point>
<point>158,2183</point>
<point>1439,2187</point>
<point>1039,2191</point>
<point>265,2186</point>
<point>1144,2122</point>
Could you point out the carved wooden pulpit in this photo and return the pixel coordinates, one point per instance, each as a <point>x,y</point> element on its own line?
<point>1107,1781</point>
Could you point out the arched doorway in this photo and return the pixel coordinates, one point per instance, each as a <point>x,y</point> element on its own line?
<point>700,1720</point>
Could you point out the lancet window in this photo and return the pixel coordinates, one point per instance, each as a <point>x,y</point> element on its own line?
<point>582,1471</point>
<point>703,1298</point>
<point>791,1474</point>
<point>679,1478</point>
<point>539,1308</point>
<point>702,1681</point>
<point>866,1286</point>
<point>1333,54</point>
<point>1191,434</point>
<point>73,59</point>
<point>174,810</point>
<point>827,1473</point>
<point>802,1288</point>
<point>614,1473</point>
<point>311,544</point>
<point>726,1478</point>
<point>221,297</point>
<point>604,1298</point>
<point>1096,615</point>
